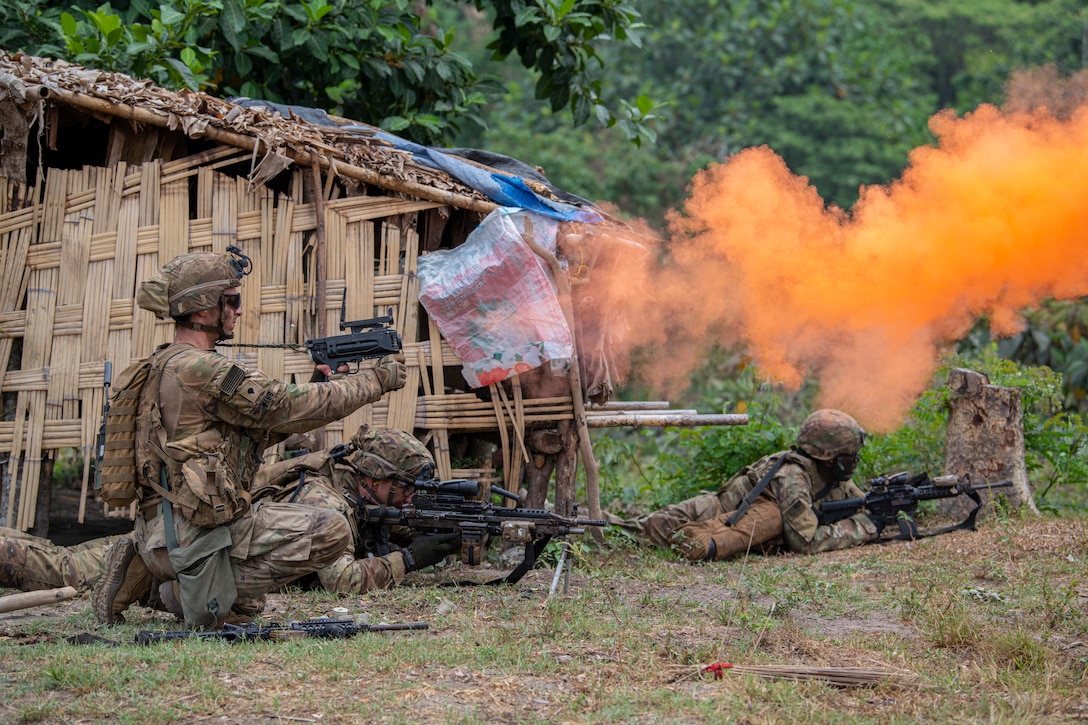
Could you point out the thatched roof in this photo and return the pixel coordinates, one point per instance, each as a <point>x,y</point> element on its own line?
<point>277,141</point>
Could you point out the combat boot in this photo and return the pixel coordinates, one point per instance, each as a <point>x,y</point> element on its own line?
<point>715,539</point>
<point>124,581</point>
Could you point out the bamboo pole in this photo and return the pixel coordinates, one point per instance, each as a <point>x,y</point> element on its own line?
<point>504,438</point>
<point>320,273</point>
<point>25,600</point>
<point>630,405</point>
<point>666,419</point>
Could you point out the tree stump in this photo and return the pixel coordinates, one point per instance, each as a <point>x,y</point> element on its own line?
<point>985,441</point>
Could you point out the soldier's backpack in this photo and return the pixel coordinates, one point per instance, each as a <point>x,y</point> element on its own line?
<point>281,480</point>
<point>117,481</point>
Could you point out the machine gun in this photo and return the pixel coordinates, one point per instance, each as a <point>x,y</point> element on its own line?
<point>896,497</point>
<point>315,628</point>
<point>454,506</point>
<point>368,339</point>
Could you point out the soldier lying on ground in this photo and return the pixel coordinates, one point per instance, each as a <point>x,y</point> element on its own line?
<point>30,562</point>
<point>780,497</point>
<point>381,470</point>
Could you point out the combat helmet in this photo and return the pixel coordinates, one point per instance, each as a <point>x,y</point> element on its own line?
<point>828,433</point>
<point>388,453</point>
<point>192,283</point>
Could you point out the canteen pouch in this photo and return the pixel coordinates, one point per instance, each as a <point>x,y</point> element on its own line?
<point>205,578</point>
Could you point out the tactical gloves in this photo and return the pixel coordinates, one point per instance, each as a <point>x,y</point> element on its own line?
<point>878,520</point>
<point>392,372</point>
<point>427,551</point>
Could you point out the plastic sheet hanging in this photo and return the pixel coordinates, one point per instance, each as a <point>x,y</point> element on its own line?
<point>494,302</point>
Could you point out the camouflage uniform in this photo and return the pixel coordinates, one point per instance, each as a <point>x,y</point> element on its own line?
<point>315,479</point>
<point>786,512</point>
<point>208,423</point>
<point>30,562</point>
<point>203,411</point>
<point>329,485</point>
<point>318,480</point>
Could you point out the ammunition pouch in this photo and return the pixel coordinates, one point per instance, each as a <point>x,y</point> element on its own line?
<point>207,492</point>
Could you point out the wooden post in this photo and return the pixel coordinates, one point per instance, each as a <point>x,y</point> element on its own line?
<point>320,272</point>
<point>585,446</point>
<point>985,440</point>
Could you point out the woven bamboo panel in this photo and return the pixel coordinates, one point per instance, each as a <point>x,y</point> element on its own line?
<point>72,257</point>
<point>71,260</point>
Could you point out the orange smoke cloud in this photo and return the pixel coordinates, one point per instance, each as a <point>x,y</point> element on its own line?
<point>990,221</point>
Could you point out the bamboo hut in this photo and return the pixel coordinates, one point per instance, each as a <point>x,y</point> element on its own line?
<point>104,178</point>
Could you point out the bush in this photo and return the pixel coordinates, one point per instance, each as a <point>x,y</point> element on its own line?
<point>650,468</point>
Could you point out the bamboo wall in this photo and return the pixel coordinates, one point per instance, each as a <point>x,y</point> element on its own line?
<point>71,261</point>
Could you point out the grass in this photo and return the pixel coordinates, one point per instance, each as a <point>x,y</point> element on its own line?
<point>991,624</point>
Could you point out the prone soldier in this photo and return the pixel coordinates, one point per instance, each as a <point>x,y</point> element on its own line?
<point>775,501</point>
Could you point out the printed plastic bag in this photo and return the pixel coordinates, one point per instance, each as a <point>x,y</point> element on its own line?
<point>493,301</point>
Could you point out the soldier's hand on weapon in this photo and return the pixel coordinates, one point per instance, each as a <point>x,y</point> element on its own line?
<point>392,372</point>
<point>427,551</point>
<point>323,372</point>
<point>880,520</point>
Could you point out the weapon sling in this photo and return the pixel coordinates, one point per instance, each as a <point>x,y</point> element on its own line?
<point>755,492</point>
<point>909,531</point>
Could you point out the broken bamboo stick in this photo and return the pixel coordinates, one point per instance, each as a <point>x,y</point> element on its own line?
<point>25,600</point>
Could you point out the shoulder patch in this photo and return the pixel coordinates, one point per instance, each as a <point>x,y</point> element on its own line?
<point>232,380</point>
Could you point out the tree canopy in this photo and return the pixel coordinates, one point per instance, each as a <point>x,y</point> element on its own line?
<point>379,61</point>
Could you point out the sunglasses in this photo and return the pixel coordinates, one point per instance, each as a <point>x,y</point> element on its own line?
<point>233,300</point>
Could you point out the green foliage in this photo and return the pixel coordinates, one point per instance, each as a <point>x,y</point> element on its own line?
<point>26,24</point>
<point>651,468</point>
<point>841,89</point>
<point>713,455</point>
<point>1055,336</point>
<point>558,40</point>
<point>917,445</point>
<point>166,49</point>
<point>965,51</point>
<point>381,61</point>
<point>600,165</point>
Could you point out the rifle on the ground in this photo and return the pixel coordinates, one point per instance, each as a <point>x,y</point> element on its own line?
<point>368,339</point>
<point>454,506</point>
<point>316,628</point>
<point>896,498</point>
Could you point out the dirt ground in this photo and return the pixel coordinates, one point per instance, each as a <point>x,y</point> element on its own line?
<point>695,585</point>
<point>66,529</point>
<point>694,616</point>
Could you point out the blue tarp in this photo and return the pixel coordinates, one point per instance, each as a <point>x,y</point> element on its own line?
<point>504,190</point>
